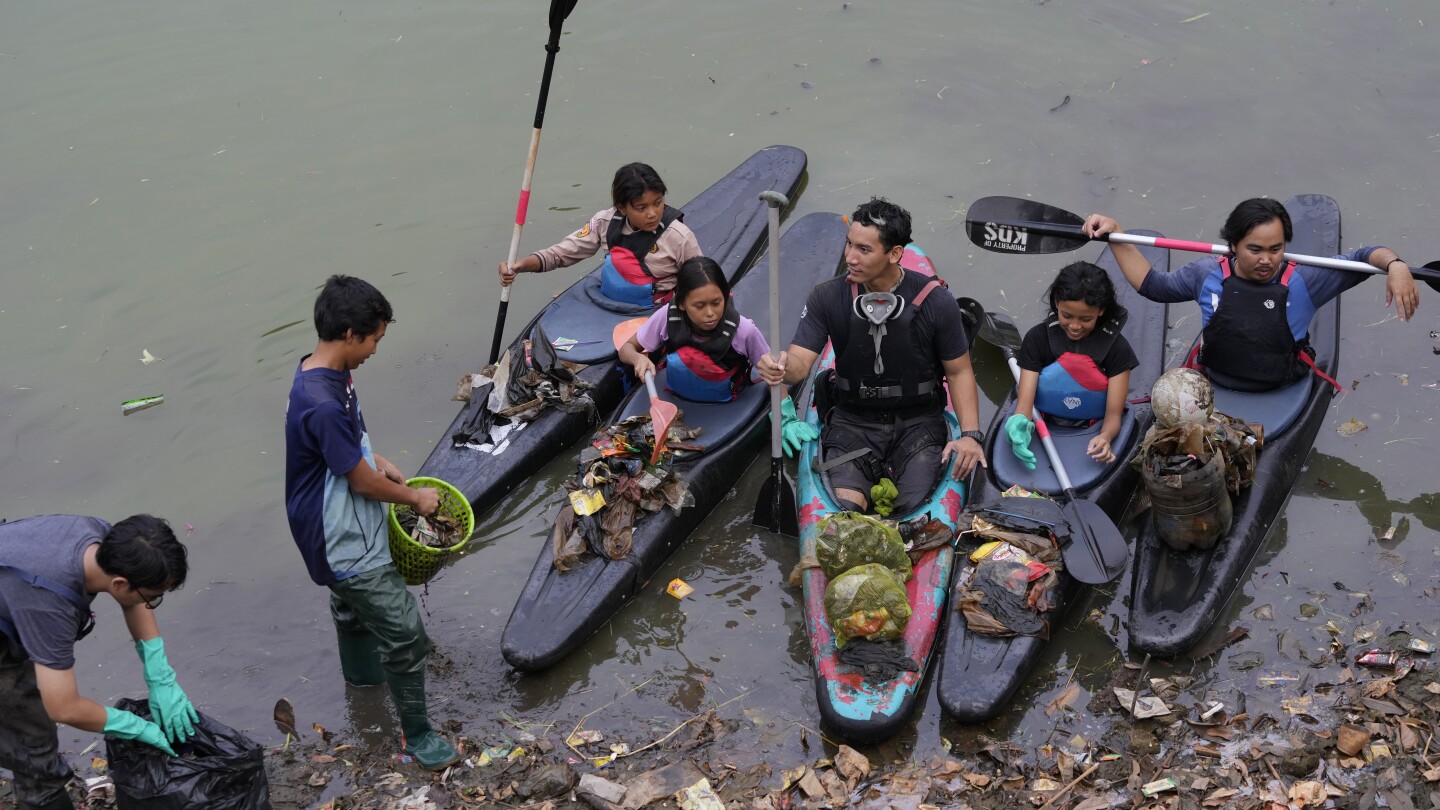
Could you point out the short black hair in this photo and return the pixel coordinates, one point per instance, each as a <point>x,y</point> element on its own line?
<point>349,303</point>
<point>632,181</point>
<point>698,272</point>
<point>891,220</point>
<point>145,551</point>
<point>1252,213</point>
<point>1083,281</point>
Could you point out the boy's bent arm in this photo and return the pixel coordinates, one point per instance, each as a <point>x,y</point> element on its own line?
<point>388,469</point>
<point>371,483</point>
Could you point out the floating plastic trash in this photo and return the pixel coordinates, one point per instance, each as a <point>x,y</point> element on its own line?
<point>136,405</point>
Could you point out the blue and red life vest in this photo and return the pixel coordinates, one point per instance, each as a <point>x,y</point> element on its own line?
<point>705,369</point>
<point>624,276</point>
<point>1073,387</point>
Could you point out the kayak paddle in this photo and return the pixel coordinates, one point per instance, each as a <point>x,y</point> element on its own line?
<point>1096,552</point>
<point>1012,225</point>
<point>775,508</point>
<point>559,10</point>
<point>626,330</point>
<point>662,415</point>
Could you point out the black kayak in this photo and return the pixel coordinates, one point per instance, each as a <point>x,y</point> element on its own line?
<point>556,611</point>
<point>980,673</point>
<point>1177,595</point>
<point>730,222</point>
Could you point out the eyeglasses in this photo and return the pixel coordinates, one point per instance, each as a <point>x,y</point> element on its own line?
<point>151,602</point>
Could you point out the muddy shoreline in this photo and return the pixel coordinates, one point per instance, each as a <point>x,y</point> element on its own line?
<point>1345,736</point>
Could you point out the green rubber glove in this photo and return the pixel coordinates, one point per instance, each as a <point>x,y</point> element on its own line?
<point>1019,430</point>
<point>793,432</point>
<point>172,709</point>
<point>882,497</point>
<point>129,726</point>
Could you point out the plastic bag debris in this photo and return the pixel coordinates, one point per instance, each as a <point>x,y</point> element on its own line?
<point>867,601</point>
<point>699,796</point>
<point>614,488</point>
<point>1158,786</point>
<point>1145,707</point>
<point>1009,589</point>
<point>846,540</point>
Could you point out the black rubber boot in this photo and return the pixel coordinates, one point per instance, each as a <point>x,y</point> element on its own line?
<point>360,659</point>
<point>429,748</point>
<point>54,799</point>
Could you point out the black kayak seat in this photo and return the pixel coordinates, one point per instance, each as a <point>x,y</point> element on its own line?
<point>582,314</point>
<point>1070,444</point>
<point>718,421</point>
<point>1275,410</point>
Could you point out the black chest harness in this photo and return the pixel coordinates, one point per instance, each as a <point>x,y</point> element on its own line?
<point>885,366</point>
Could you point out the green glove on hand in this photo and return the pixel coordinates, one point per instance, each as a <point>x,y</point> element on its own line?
<point>793,432</point>
<point>129,726</point>
<point>1019,430</point>
<point>172,709</point>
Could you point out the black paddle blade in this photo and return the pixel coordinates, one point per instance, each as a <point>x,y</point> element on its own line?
<point>972,312</point>
<point>998,330</point>
<point>1096,552</point>
<point>1013,225</point>
<point>559,10</point>
<point>775,508</point>
<point>1432,278</point>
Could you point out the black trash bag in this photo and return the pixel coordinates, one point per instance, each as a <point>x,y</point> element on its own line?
<point>218,768</point>
<point>517,391</point>
<point>879,660</point>
<point>476,428</point>
<point>545,359</point>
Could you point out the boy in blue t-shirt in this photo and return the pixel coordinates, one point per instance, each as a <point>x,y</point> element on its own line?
<point>336,488</point>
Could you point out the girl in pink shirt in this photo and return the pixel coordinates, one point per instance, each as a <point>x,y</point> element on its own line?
<point>708,346</point>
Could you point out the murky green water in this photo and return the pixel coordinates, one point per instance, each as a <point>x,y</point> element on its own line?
<point>180,178</point>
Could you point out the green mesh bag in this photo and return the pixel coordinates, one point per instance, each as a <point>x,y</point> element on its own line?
<point>867,601</point>
<point>848,539</point>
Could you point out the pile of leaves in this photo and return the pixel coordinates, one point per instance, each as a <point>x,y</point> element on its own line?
<point>616,485</point>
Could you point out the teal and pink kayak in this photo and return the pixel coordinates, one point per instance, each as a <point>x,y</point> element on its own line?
<point>862,710</point>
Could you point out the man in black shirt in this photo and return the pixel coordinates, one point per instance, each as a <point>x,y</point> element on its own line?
<point>891,376</point>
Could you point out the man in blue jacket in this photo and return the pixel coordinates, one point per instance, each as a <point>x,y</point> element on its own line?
<point>1255,306</point>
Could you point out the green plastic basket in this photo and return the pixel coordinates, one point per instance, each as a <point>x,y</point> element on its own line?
<point>417,562</point>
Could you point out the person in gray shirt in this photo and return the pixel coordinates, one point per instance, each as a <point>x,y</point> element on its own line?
<point>51,569</point>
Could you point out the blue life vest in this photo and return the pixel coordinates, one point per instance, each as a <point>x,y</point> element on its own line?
<point>708,369</point>
<point>624,276</point>
<point>1073,387</point>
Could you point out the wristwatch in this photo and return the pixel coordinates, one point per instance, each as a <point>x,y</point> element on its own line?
<point>977,435</point>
